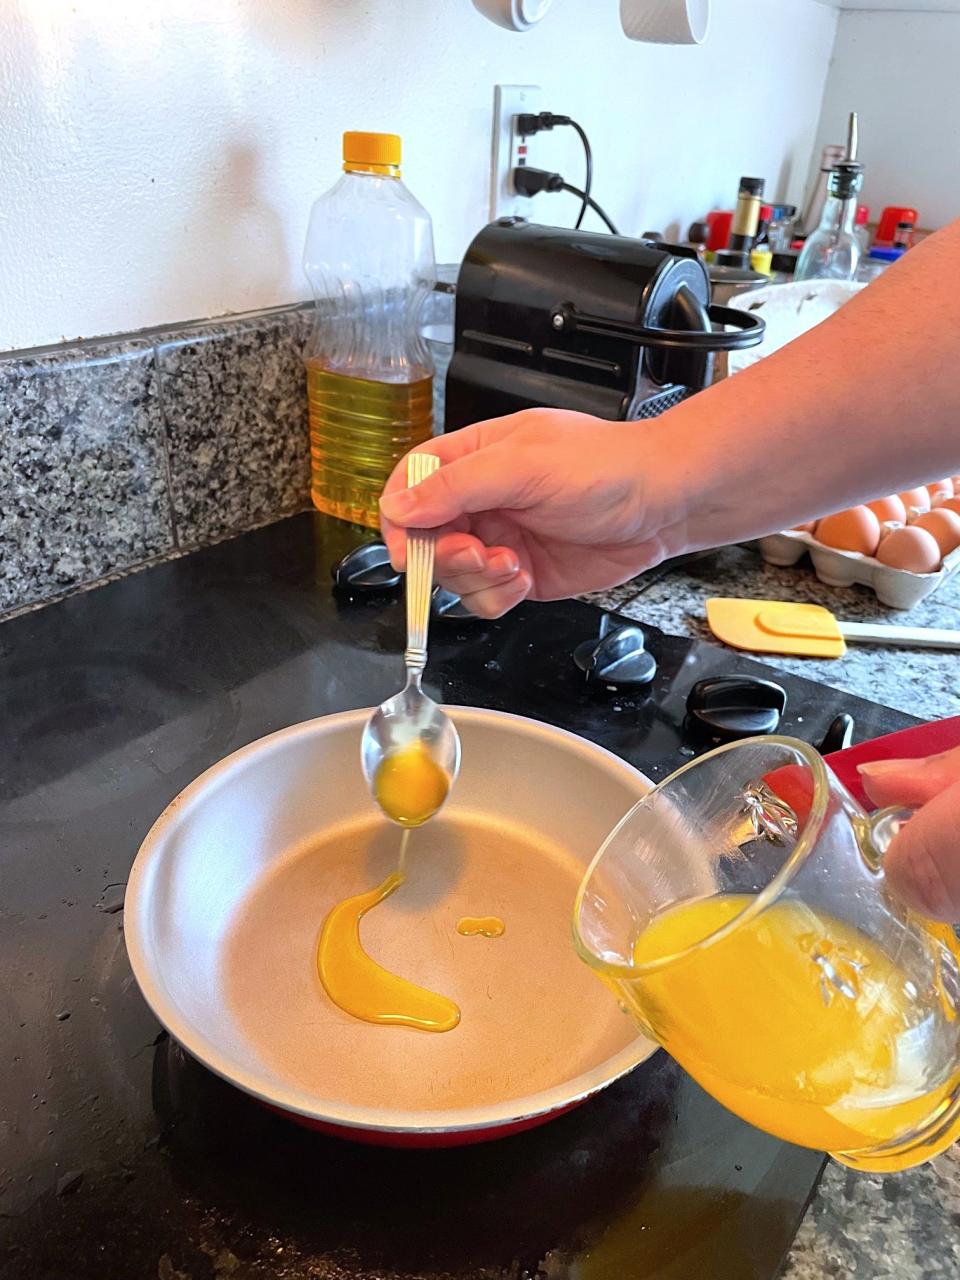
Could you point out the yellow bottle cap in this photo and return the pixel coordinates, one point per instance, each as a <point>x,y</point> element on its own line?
<point>377,151</point>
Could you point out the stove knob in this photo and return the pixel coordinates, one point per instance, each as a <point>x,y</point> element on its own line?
<point>366,568</point>
<point>726,708</point>
<point>445,606</point>
<point>839,736</point>
<point>617,657</point>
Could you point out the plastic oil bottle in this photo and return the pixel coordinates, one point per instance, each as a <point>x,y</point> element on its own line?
<point>369,259</point>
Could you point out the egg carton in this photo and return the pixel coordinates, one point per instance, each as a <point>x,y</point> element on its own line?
<point>894,587</point>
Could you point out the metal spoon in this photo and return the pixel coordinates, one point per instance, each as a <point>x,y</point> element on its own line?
<point>410,716</point>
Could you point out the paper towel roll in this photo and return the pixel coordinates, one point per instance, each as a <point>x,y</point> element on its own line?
<point>666,21</point>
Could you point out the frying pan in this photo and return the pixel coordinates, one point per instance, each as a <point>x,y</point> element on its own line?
<point>229,890</point>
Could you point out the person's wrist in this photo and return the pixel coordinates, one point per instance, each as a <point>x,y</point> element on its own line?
<point>664,490</point>
<point>700,485</point>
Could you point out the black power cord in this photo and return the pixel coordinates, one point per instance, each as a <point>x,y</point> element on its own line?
<point>590,203</point>
<point>529,124</point>
<point>530,182</point>
<point>588,177</point>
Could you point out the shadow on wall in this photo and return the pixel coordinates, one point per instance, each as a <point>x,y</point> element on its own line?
<point>782,191</point>
<point>675,232</point>
<point>282,23</point>
<point>235,214</point>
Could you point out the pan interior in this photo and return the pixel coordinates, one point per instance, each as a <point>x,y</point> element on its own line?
<point>533,1016</point>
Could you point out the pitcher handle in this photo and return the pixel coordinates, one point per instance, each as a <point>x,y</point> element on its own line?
<point>876,830</point>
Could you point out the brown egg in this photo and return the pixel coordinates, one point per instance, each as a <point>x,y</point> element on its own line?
<point>945,527</point>
<point>912,549</point>
<point>956,485</point>
<point>809,527</point>
<point>891,508</point>
<point>918,498</point>
<point>856,529</point>
<point>940,489</point>
<point>950,504</point>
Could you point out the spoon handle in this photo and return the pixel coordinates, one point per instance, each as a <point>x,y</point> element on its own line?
<point>419,571</point>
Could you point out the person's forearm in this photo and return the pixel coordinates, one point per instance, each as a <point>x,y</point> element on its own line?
<point>867,403</point>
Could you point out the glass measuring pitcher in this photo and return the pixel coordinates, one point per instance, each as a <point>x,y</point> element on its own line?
<point>740,913</point>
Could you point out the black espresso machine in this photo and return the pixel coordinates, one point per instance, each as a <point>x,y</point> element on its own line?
<point>608,325</point>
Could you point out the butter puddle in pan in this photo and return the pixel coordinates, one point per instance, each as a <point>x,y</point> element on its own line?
<point>358,985</point>
<point>481,926</point>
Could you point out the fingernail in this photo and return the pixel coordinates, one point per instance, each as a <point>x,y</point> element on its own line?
<point>466,561</point>
<point>882,768</point>
<point>399,506</point>
<point>504,562</point>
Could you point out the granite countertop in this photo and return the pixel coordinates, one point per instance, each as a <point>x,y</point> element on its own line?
<point>902,1226</point>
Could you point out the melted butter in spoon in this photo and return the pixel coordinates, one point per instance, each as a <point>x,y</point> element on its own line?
<point>484,926</point>
<point>363,988</point>
<point>410,786</point>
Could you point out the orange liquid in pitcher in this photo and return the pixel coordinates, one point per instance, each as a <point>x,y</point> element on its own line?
<point>803,1026</point>
<point>359,431</point>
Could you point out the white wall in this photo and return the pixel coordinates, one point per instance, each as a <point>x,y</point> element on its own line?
<point>901,71</point>
<point>158,160</point>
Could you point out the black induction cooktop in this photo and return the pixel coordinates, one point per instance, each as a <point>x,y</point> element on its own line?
<point>122,1159</point>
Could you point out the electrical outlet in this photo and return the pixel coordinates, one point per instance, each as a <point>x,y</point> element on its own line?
<point>509,149</point>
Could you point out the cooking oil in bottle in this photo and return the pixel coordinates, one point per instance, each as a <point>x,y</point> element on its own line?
<point>369,259</point>
<point>359,430</point>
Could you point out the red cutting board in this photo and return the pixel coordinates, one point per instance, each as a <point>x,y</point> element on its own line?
<point>908,744</point>
<point>793,783</point>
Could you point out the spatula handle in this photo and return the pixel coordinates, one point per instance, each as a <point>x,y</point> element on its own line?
<point>900,637</point>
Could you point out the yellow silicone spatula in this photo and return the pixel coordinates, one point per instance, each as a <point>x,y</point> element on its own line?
<point>777,626</point>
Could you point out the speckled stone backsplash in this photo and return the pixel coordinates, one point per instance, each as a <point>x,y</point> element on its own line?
<point>114,453</point>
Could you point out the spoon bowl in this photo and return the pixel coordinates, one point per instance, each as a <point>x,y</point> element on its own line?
<point>407,718</point>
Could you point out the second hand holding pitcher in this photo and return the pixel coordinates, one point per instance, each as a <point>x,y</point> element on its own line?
<point>410,750</point>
